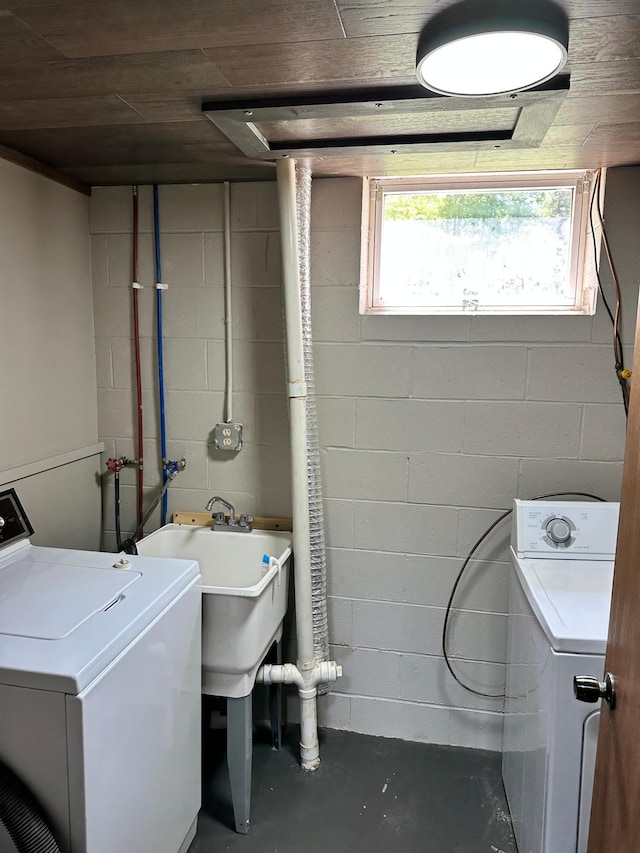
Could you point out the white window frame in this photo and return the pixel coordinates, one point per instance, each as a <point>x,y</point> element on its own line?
<point>582,262</point>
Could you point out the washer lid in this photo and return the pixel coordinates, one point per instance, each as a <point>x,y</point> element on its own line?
<point>65,615</point>
<point>50,601</point>
<point>571,599</point>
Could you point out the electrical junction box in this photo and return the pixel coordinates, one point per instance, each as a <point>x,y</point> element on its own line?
<point>227,436</point>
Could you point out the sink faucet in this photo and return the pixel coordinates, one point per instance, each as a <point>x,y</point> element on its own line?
<point>216,499</point>
<point>242,524</point>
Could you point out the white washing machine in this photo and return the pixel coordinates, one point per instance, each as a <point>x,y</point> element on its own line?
<point>560,596</point>
<point>100,691</point>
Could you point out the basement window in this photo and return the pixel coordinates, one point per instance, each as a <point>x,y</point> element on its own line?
<point>479,244</point>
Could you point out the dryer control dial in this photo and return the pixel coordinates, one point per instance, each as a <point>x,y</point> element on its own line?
<point>558,530</point>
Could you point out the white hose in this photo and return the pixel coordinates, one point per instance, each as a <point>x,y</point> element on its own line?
<point>314,482</point>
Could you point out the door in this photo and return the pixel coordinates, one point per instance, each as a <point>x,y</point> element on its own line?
<point>615,813</point>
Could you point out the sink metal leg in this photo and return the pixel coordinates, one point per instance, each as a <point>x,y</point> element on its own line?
<point>239,757</point>
<point>275,705</point>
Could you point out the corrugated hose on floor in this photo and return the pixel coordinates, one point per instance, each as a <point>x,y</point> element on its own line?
<point>22,817</point>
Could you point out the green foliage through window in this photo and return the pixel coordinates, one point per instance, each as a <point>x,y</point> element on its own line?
<point>521,204</point>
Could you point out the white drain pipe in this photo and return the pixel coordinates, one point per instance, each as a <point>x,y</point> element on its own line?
<point>288,673</point>
<point>308,672</point>
<point>322,672</point>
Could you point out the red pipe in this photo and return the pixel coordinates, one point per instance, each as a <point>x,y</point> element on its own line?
<point>136,349</point>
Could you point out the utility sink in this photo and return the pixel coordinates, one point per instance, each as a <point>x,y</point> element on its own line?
<point>244,597</point>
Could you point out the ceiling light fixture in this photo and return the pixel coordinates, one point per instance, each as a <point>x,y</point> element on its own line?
<point>478,47</point>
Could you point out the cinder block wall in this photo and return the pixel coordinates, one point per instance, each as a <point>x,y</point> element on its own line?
<point>428,426</point>
<point>257,479</point>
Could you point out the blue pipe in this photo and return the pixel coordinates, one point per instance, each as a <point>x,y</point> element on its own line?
<point>159,289</point>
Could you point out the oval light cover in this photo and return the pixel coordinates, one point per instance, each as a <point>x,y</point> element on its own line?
<point>491,63</point>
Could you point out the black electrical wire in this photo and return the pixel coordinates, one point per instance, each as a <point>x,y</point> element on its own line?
<point>617,341</point>
<point>622,374</point>
<point>596,187</point>
<point>467,560</point>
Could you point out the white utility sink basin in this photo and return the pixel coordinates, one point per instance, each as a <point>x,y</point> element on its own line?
<point>244,599</point>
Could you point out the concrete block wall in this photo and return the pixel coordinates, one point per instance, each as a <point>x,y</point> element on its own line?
<point>428,427</point>
<point>191,219</point>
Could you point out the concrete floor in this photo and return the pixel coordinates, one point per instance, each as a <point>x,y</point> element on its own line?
<point>370,794</point>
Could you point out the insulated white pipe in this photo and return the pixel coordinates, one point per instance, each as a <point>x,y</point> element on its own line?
<point>227,304</point>
<point>297,394</point>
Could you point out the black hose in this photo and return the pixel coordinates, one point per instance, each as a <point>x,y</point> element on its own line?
<point>117,510</point>
<point>129,545</point>
<point>449,608</point>
<point>22,817</point>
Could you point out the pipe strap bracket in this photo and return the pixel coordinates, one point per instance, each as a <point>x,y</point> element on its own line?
<point>161,286</point>
<point>297,389</point>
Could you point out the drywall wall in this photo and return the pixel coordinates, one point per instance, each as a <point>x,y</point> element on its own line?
<point>63,503</point>
<point>428,427</point>
<point>48,426</point>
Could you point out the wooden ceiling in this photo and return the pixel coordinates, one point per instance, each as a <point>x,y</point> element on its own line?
<point>110,92</point>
